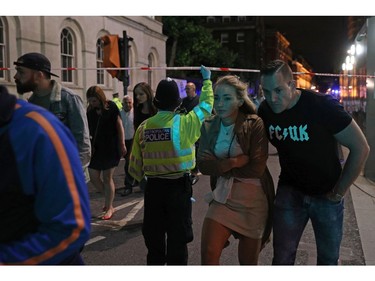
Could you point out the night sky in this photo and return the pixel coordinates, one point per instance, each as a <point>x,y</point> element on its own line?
<point>320,40</point>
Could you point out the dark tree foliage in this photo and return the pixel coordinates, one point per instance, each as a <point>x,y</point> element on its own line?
<point>191,44</point>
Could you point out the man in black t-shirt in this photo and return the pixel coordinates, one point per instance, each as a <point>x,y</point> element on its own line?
<point>305,127</point>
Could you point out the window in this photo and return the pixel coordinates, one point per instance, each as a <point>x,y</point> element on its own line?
<point>240,37</point>
<point>2,49</point>
<point>224,38</point>
<point>226,19</point>
<point>210,19</point>
<point>241,19</point>
<point>99,62</point>
<point>67,55</point>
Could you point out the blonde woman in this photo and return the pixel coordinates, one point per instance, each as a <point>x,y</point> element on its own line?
<point>233,150</point>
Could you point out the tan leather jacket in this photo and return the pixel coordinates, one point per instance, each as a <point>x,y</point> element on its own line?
<point>252,137</point>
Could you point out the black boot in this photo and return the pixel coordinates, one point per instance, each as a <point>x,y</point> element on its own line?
<point>127,191</point>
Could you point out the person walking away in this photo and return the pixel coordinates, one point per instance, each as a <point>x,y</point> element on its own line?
<point>233,151</point>
<point>163,150</point>
<point>108,145</point>
<point>305,127</point>
<point>34,75</point>
<point>127,116</point>
<point>44,201</point>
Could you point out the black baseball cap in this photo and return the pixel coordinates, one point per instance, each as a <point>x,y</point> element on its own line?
<point>35,61</point>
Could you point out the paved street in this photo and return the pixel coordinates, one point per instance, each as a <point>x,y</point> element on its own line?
<point>119,241</point>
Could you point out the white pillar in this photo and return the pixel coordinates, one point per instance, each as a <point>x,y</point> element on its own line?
<point>370,106</point>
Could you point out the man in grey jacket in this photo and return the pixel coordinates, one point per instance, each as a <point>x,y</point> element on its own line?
<point>34,75</point>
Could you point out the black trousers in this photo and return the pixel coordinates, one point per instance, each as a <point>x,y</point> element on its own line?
<point>129,181</point>
<point>167,223</point>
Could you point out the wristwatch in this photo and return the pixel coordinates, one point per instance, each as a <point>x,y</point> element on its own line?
<point>337,197</point>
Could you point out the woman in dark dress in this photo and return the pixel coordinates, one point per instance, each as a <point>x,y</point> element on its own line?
<point>143,109</point>
<point>143,106</point>
<point>107,142</point>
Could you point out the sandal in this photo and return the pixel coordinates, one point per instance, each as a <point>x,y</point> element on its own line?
<point>106,216</point>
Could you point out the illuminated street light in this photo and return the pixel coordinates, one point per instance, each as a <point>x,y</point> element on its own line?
<point>352,50</point>
<point>359,49</point>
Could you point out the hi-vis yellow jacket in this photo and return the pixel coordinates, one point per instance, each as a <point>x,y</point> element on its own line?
<point>163,145</point>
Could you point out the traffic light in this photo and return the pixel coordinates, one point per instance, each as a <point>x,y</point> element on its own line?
<point>111,54</point>
<point>124,57</point>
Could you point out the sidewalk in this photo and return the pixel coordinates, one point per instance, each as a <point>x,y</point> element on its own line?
<point>363,197</point>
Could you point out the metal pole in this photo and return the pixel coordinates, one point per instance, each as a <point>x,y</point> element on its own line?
<point>125,62</point>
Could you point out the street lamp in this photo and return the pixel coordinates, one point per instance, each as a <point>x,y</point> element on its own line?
<point>348,81</point>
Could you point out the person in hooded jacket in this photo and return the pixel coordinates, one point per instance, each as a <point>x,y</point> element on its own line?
<point>44,200</point>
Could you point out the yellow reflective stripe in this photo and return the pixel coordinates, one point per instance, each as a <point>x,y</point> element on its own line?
<point>188,164</point>
<point>199,113</point>
<point>176,160</point>
<point>176,137</point>
<point>169,154</point>
<point>206,106</point>
<point>162,168</point>
<point>160,154</point>
<point>176,132</point>
<point>169,168</point>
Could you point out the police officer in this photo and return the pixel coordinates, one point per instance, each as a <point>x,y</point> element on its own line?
<point>117,101</point>
<point>163,151</point>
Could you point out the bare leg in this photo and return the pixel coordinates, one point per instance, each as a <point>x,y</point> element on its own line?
<point>109,191</point>
<point>248,250</point>
<point>214,236</point>
<point>96,180</point>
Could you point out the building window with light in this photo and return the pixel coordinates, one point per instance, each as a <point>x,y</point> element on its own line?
<point>226,19</point>
<point>67,55</point>
<point>240,37</point>
<point>99,62</point>
<point>2,49</point>
<point>210,19</point>
<point>224,38</point>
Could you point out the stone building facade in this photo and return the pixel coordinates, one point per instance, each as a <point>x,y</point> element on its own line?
<point>74,41</point>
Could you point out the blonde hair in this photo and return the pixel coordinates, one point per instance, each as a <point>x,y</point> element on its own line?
<point>234,81</point>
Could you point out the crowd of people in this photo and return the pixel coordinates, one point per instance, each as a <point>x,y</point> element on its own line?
<point>52,146</point>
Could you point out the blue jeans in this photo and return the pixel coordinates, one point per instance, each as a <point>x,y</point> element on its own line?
<point>292,210</point>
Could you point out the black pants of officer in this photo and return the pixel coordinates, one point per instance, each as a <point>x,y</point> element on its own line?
<point>167,223</point>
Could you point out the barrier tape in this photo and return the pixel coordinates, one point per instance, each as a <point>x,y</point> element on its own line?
<point>223,69</point>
